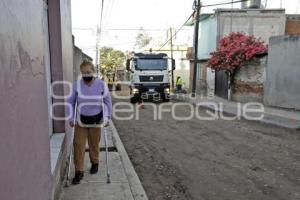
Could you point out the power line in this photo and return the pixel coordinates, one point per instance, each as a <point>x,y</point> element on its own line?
<point>218,4</point>
<point>172,36</point>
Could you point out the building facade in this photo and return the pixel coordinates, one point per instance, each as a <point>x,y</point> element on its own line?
<point>36,51</point>
<point>262,23</point>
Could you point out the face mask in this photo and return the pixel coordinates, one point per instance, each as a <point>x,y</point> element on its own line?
<point>87,78</point>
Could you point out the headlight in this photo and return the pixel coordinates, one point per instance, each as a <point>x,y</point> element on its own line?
<point>135,90</point>
<point>167,90</point>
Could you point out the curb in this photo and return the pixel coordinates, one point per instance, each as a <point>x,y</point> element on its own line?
<point>273,118</point>
<point>136,187</point>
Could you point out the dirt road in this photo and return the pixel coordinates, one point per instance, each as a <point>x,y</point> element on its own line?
<point>211,160</point>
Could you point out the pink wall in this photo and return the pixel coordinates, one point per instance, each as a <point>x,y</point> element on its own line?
<point>56,59</point>
<point>25,170</point>
<point>61,48</point>
<point>24,144</point>
<point>67,51</point>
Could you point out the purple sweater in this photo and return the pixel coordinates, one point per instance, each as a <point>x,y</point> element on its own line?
<point>87,95</point>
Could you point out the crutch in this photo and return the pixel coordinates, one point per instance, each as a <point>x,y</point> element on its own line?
<point>106,145</point>
<point>71,153</point>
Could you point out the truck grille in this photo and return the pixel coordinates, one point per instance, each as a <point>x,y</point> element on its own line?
<point>151,78</point>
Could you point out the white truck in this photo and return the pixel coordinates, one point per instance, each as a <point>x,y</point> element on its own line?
<point>149,76</point>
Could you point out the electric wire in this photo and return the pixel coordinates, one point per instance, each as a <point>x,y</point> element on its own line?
<point>217,4</point>
<point>172,36</point>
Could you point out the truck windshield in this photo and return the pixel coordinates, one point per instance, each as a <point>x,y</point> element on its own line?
<point>151,64</point>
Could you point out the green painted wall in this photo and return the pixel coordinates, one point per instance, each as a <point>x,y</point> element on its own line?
<point>207,37</point>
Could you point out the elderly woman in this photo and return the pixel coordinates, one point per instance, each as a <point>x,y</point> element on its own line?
<point>90,93</point>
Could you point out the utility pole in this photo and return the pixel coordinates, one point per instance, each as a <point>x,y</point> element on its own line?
<point>171,41</point>
<point>197,7</point>
<point>99,28</point>
<point>97,49</point>
<point>280,3</point>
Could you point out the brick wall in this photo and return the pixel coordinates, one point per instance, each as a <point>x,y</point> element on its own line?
<point>292,25</point>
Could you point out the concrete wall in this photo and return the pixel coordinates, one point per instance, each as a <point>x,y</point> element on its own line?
<point>77,61</point>
<point>282,87</point>
<point>54,10</point>
<point>78,57</point>
<point>62,54</point>
<point>66,40</point>
<point>263,23</point>
<point>61,49</point>
<point>207,37</point>
<point>207,44</point>
<point>248,82</point>
<point>24,128</point>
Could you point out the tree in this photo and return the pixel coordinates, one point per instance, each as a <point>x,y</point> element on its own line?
<point>234,51</point>
<point>142,39</point>
<point>110,59</point>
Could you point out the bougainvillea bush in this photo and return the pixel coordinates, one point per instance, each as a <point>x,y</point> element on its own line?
<point>235,50</point>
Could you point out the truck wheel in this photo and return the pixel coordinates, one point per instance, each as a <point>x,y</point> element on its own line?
<point>165,98</point>
<point>133,100</point>
<point>118,87</point>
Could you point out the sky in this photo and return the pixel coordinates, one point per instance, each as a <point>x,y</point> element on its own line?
<point>155,16</point>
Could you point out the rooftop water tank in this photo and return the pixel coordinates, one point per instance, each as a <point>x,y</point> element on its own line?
<point>254,4</point>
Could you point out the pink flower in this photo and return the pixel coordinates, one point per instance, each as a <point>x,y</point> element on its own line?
<point>234,50</point>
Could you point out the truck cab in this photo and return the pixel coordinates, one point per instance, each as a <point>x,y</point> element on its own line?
<point>149,76</point>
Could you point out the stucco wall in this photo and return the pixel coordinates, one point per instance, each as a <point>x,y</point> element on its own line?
<point>248,82</point>
<point>282,87</point>
<point>62,53</point>
<point>207,37</point>
<point>260,23</point>
<point>67,50</point>
<point>66,38</point>
<point>57,71</point>
<point>77,59</point>
<point>207,44</point>
<point>24,145</point>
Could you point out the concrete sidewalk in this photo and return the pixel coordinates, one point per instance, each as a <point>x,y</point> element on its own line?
<point>125,184</point>
<point>275,116</point>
